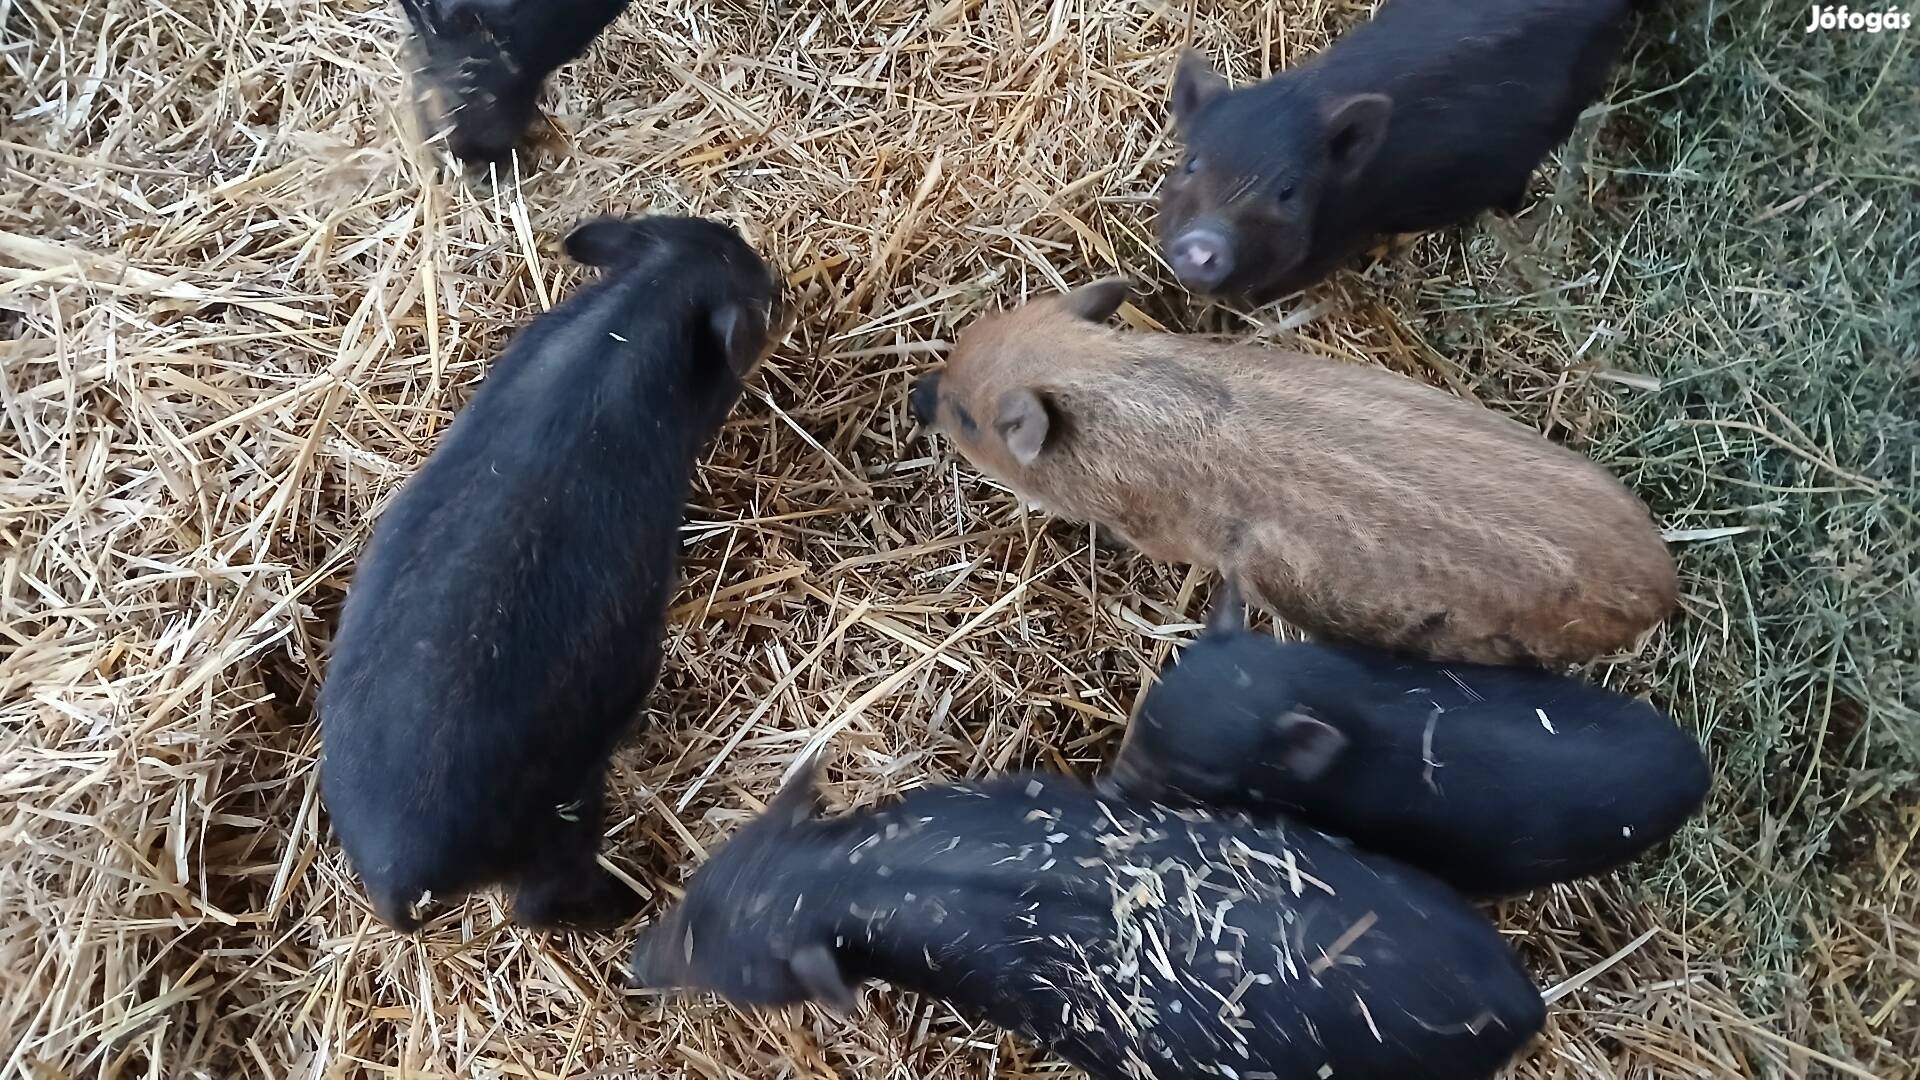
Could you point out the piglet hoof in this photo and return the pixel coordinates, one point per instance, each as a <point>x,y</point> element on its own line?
<point>589,900</point>
<point>1108,540</point>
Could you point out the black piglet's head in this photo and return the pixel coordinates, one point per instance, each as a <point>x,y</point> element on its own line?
<point>487,61</point>
<point>1220,721</point>
<point>752,926</point>
<point>705,268</point>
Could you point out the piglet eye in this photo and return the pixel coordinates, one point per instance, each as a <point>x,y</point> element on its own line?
<point>1286,192</point>
<point>1191,165</point>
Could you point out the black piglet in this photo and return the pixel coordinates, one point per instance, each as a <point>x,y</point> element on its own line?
<point>1421,118</point>
<point>1131,939</point>
<point>503,627</point>
<point>1497,780</point>
<point>487,60</point>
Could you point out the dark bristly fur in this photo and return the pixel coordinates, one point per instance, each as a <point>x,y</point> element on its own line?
<point>487,60</point>
<point>1426,116</point>
<point>503,627</point>
<point>1356,503</point>
<point>1130,939</point>
<point>1496,780</point>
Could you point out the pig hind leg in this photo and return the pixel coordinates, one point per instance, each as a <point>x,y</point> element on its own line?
<point>1514,201</point>
<point>563,885</point>
<point>582,894</point>
<point>1107,538</point>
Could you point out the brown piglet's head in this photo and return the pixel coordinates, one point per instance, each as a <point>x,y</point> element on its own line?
<point>999,397</point>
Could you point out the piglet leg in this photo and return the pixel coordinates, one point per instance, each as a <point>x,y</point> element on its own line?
<point>565,887</point>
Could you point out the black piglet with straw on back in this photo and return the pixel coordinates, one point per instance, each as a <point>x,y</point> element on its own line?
<point>1131,939</point>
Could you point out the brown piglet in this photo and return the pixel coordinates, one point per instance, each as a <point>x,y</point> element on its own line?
<point>1358,504</point>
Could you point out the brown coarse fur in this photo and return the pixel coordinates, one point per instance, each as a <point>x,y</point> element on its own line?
<point>1354,502</point>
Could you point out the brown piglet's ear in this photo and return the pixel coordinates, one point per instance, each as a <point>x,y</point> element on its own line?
<point>1096,302</point>
<point>1356,129</point>
<point>1194,84</point>
<point>1023,422</point>
<point>1308,745</point>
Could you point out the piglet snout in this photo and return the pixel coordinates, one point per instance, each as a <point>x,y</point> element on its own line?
<point>488,127</point>
<point>480,149</point>
<point>1202,258</point>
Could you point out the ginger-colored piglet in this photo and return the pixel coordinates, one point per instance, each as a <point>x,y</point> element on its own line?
<point>1355,503</point>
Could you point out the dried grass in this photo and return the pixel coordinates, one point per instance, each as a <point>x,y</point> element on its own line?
<point>242,299</point>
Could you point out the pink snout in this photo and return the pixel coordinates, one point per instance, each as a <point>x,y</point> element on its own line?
<point>1202,258</point>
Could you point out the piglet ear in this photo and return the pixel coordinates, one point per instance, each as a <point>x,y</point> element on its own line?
<point>798,800</point>
<point>741,330</point>
<point>658,961</point>
<point>1023,422</point>
<point>1194,84</point>
<point>817,971</point>
<point>1098,301</point>
<point>1356,128</point>
<point>1229,612</point>
<point>606,241</point>
<point>1308,744</point>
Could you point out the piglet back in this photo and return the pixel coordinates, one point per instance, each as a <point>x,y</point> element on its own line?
<point>1140,941</point>
<point>1357,503</point>
<point>1496,779</point>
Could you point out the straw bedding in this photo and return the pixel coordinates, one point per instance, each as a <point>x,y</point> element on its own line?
<point>243,294</point>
